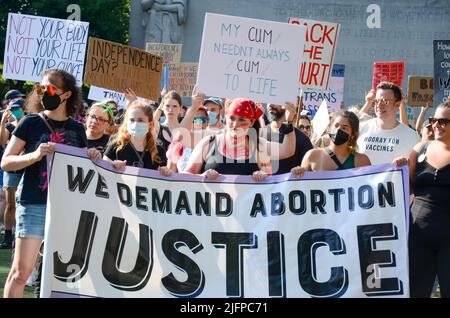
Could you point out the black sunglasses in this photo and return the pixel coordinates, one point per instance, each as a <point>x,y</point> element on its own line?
<point>441,121</point>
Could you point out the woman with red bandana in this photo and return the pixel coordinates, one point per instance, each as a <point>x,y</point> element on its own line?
<point>239,150</point>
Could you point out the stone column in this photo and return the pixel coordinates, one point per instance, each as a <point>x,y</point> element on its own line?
<point>136,31</point>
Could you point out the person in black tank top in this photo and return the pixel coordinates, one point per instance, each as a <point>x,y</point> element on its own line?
<point>239,150</point>
<point>429,234</point>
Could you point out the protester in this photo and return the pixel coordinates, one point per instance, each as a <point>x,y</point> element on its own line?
<point>239,150</point>
<point>383,138</point>
<point>15,110</point>
<point>429,235</point>
<point>341,154</point>
<point>60,98</point>
<point>215,114</point>
<point>274,132</point>
<point>134,144</point>
<point>99,118</point>
<point>304,125</point>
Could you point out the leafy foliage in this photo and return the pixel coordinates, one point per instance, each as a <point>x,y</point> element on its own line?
<point>108,19</point>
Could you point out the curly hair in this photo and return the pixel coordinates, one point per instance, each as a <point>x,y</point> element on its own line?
<point>123,136</point>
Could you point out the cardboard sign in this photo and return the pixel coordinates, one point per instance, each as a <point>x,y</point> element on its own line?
<point>34,44</point>
<point>182,78</point>
<point>250,58</point>
<point>319,51</point>
<point>334,96</point>
<point>441,53</point>
<point>388,72</point>
<point>134,233</point>
<point>116,67</point>
<point>420,91</point>
<point>171,53</point>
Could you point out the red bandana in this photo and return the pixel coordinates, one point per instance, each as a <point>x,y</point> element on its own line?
<point>244,108</point>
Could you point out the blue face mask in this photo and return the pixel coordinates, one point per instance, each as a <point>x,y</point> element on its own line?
<point>213,118</point>
<point>17,113</point>
<point>137,129</point>
<point>162,119</point>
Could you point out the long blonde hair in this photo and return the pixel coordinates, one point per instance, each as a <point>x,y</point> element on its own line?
<point>124,137</point>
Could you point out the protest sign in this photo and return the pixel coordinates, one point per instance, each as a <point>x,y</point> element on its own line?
<point>441,50</point>
<point>99,94</point>
<point>117,67</point>
<point>420,91</point>
<point>182,78</point>
<point>319,51</point>
<point>388,72</point>
<point>137,234</point>
<point>334,96</point>
<point>250,58</point>
<point>171,53</point>
<point>34,44</point>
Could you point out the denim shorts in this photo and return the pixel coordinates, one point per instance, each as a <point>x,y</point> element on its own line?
<point>11,180</point>
<point>30,220</point>
<point>1,178</point>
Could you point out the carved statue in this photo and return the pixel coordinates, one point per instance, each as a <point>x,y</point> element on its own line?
<point>164,20</point>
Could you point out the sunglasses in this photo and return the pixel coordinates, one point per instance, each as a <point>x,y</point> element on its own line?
<point>40,89</point>
<point>381,101</point>
<point>441,121</point>
<point>301,127</point>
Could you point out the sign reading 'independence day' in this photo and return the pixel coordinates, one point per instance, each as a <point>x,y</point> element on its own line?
<point>34,44</point>
<point>137,234</point>
<point>250,58</point>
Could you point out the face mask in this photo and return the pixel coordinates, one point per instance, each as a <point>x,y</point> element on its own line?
<point>213,118</point>
<point>50,102</point>
<point>339,137</point>
<point>137,129</point>
<point>162,119</point>
<point>17,113</point>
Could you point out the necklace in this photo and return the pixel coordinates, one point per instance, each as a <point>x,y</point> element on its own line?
<point>139,155</point>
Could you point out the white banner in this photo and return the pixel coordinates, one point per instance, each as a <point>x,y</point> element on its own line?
<point>34,44</point>
<point>250,58</point>
<point>137,234</point>
<point>98,94</point>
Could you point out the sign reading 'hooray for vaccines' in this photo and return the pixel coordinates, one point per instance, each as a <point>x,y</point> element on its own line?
<point>137,234</point>
<point>250,58</point>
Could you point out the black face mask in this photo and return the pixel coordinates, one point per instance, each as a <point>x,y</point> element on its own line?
<point>339,137</point>
<point>50,102</point>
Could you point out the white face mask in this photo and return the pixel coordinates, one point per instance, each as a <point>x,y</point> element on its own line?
<point>137,129</point>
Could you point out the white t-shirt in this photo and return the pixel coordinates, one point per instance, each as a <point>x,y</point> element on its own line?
<point>384,145</point>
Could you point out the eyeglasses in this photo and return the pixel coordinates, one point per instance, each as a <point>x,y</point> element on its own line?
<point>441,121</point>
<point>301,127</point>
<point>382,101</point>
<point>98,119</point>
<point>40,89</point>
<point>200,120</point>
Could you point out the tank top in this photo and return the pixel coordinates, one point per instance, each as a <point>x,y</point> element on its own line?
<point>349,163</point>
<point>224,165</point>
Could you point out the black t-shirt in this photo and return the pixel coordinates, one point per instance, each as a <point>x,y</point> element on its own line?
<point>99,144</point>
<point>34,132</point>
<point>302,145</point>
<point>128,154</point>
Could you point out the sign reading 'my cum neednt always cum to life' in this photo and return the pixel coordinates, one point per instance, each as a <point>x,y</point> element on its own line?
<point>250,58</point>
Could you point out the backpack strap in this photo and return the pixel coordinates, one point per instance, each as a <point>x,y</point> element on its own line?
<point>48,126</point>
<point>334,158</point>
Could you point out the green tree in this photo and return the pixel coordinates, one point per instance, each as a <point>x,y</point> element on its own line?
<point>108,19</point>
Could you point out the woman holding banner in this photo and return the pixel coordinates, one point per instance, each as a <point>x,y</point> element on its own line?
<point>341,154</point>
<point>60,98</point>
<point>99,118</point>
<point>239,150</point>
<point>429,234</point>
<point>134,144</point>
